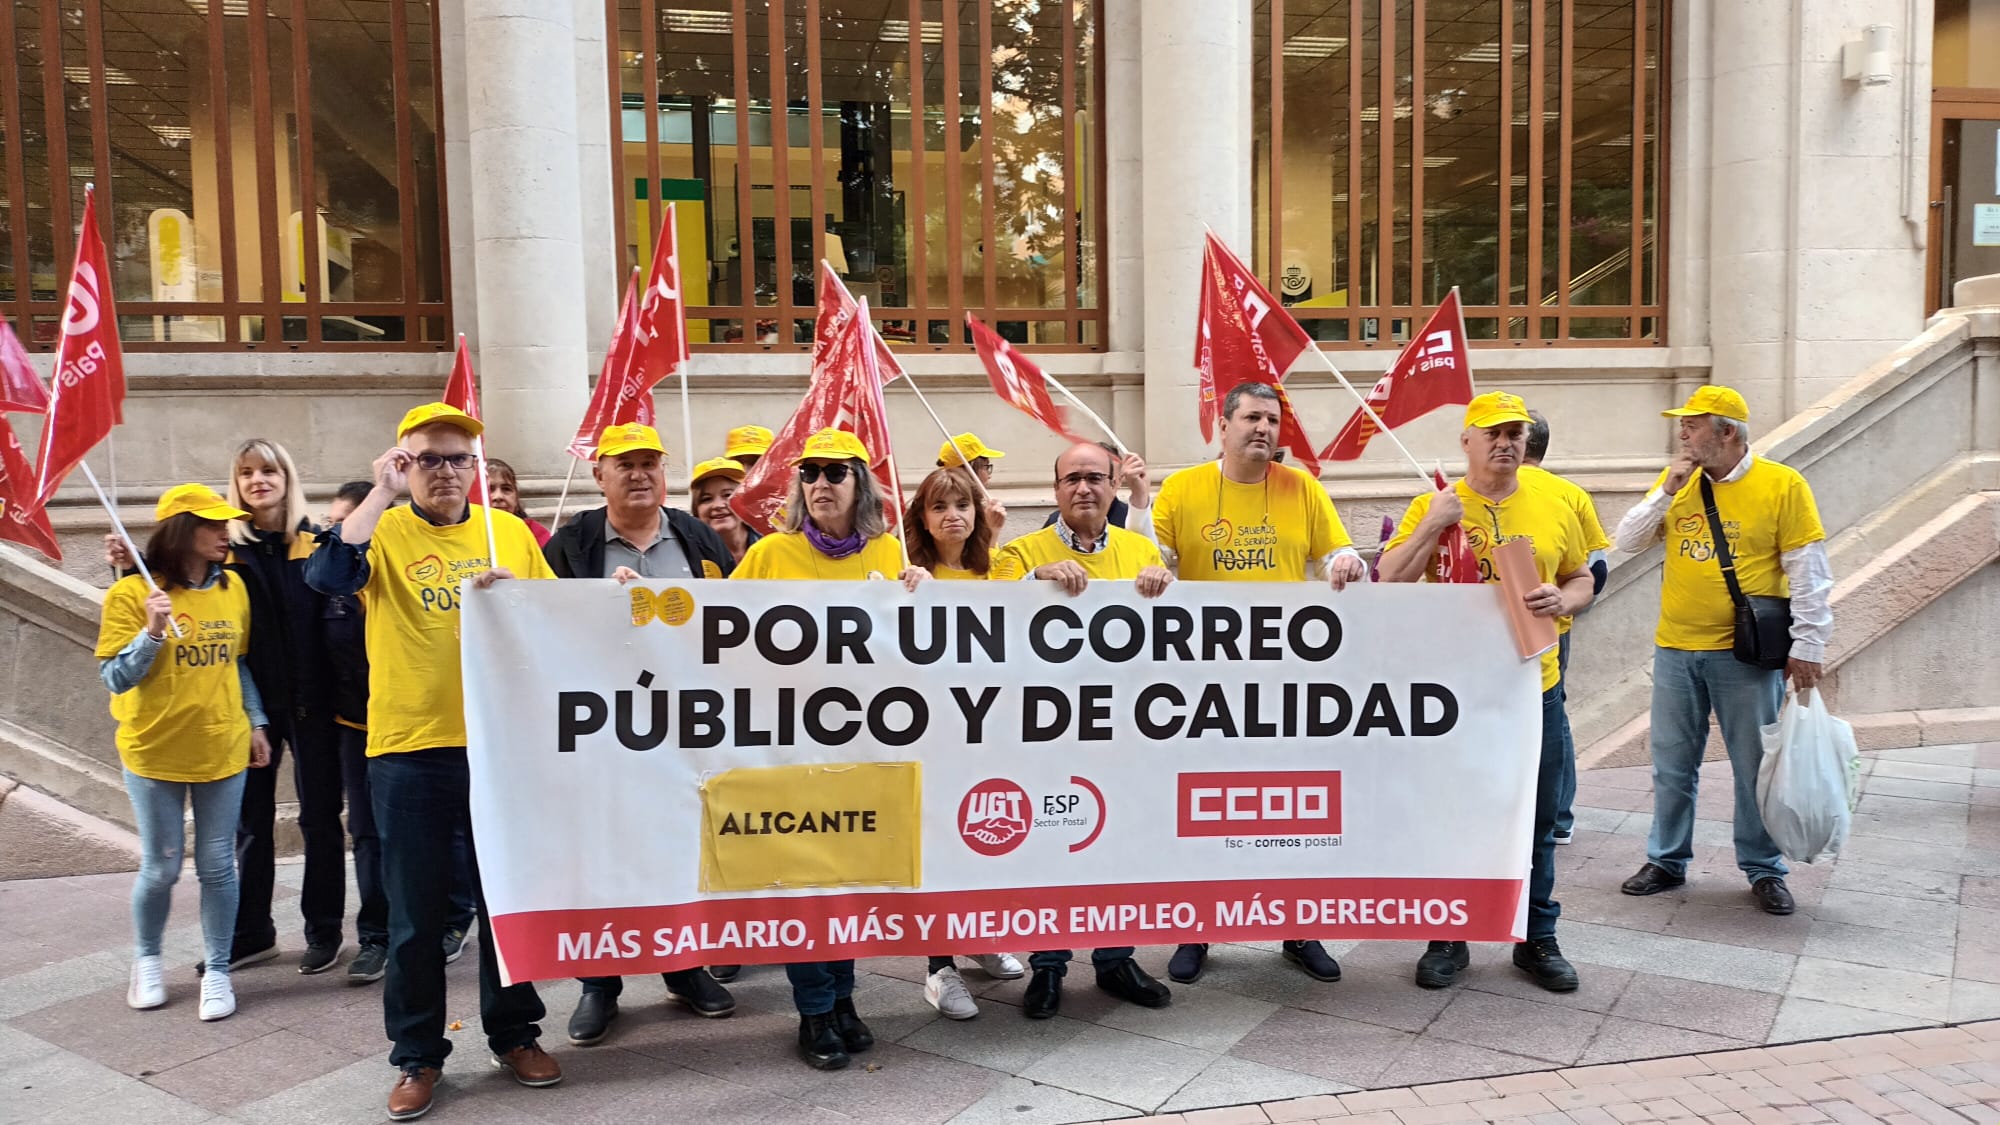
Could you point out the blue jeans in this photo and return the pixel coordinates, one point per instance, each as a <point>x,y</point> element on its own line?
<point>422,799</point>
<point>1558,756</point>
<point>156,807</point>
<point>817,984</point>
<point>1058,959</point>
<point>1566,792</point>
<point>1687,686</point>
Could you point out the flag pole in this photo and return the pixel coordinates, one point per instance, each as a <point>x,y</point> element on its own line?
<point>486,494</point>
<point>687,412</point>
<point>1368,410</point>
<point>1087,411</point>
<point>948,436</point>
<point>125,537</point>
<point>564,498</point>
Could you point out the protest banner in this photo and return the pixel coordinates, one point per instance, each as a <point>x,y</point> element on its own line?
<point>760,772</point>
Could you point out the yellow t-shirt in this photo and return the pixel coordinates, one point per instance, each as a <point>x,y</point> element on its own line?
<point>1265,532</point>
<point>945,573</point>
<point>1536,514</point>
<point>1579,502</point>
<point>416,689</point>
<point>1124,555</point>
<point>185,720</point>
<point>789,554</point>
<point>1766,512</point>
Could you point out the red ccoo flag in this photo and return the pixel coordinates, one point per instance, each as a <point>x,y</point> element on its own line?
<point>21,520</point>
<point>462,391</point>
<point>1244,336</point>
<point>1017,380</point>
<point>87,389</point>
<point>20,388</point>
<point>1432,370</point>
<point>615,400</point>
<point>659,327</point>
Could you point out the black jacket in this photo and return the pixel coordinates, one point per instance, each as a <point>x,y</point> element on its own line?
<point>347,657</point>
<point>287,655</point>
<point>576,550</point>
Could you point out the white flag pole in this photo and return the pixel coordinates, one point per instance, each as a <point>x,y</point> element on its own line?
<point>564,498</point>
<point>1087,411</point>
<point>486,494</point>
<point>680,302</point>
<point>873,371</point>
<point>949,438</point>
<point>125,537</point>
<point>1370,412</point>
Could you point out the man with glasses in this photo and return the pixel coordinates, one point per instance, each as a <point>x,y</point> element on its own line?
<point>412,562</point>
<point>1244,518</point>
<point>1080,546</point>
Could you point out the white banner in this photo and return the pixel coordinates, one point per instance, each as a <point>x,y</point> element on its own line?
<point>758,772</point>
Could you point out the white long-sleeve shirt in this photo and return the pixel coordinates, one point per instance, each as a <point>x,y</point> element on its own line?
<point>1807,569</point>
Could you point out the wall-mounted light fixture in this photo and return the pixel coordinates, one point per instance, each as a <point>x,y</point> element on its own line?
<point>1867,60</point>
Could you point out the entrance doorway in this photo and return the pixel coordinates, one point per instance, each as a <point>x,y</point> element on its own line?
<point>1965,197</point>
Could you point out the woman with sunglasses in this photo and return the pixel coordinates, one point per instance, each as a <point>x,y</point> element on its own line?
<point>189,726</point>
<point>833,527</point>
<point>947,537</point>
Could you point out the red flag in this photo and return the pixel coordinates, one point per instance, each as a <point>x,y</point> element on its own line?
<point>845,393</point>
<point>87,391</point>
<point>1454,560</point>
<point>615,400</point>
<point>21,520</point>
<point>833,296</point>
<point>20,388</point>
<point>1433,370</point>
<point>1017,380</point>
<point>659,328</point>
<point>1244,336</point>
<point>462,391</point>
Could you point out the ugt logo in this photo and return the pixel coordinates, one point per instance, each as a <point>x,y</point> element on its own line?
<point>993,818</point>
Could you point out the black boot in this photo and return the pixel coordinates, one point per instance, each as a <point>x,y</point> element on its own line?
<point>853,1032</point>
<point>819,1042</point>
<point>1440,964</point>
<point>592,1018</point>
<point>1542,959</point>
<point>1314,959</point>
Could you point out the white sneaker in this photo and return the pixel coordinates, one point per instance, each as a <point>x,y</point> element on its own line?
<point>146,990</point>
<point>218,999</point>
<point>945,991</point>
<point>1000,966</point>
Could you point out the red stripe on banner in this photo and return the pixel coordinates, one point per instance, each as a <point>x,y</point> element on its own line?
<point>613,941</point>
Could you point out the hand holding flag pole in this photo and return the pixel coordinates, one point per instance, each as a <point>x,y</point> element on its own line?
<point>125,537</point>
<point>462,391</point>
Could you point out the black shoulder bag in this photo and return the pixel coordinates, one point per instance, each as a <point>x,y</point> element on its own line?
<point>1763,624</point>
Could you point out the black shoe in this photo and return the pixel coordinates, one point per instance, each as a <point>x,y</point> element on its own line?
<point>1314,959</point>
<point>1565,836</point>
<point>318,959</point>
<point>1441,962</point>
<point>1127,981</point>
<point>1187,963</point>
<point>819,1042</point>
<point>854,1034</point>
<point>699,991</point>
<point>1044,996</point>
<point>370,964</point>
<point>1543,960</point>
<point>1651,880</point>
<point>724,973</point>
<point>1773,897</point>
<point>243,958</point>
<point>454,944</point>
<point>591,1021</point>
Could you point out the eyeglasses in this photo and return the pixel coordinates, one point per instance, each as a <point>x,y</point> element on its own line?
<point>1094,480</point>
<point>834,474</point>
<point>432,462</point>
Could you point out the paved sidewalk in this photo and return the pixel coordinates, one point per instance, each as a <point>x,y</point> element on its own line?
<point>1903,932</point>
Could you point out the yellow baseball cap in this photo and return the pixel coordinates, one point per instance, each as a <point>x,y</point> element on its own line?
<point>1496,408</point>
<point>438,412</point>
<point>198,500</point>
<point>717,466</point>
<point>1720,401</point>
<point>747,441</point>
<point>628,438</point>
<point>948,453</point>
<point>832,445</point>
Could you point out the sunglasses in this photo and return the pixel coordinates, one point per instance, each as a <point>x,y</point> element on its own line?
<point>834,474</point>
<point>432,462</point>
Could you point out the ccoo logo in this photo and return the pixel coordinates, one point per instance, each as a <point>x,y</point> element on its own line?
<point>81,315</point>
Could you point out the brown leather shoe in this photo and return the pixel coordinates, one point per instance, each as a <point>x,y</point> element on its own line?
<point>530,1065</point>
<point>411,1098</point>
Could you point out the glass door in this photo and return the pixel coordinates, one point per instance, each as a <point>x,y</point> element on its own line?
<point>1965,201</point>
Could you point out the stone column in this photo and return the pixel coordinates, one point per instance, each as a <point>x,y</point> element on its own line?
<point>1194,72</point>
<point>521,111</point>
<point>601,180</point>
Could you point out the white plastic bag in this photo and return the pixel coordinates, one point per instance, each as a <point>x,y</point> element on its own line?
<point>1803,784</point>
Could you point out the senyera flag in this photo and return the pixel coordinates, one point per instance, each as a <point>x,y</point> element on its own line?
<point>87,389</point>
<point>21,519</point>
<point>20,388</point>
<point>616,399</point>
<point>1434,369</point>
<point>840,396</point>
<point>1017,380</point>
<point>1244,336</point>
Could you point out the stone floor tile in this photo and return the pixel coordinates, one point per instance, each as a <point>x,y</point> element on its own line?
<point>129,1101</point>
<point>1229,1115</point>
<point>1974,1000</point>
<point>1230,1081</point>
<point>1433,1060</point>
<point>893,1083</point>
<point>1801,1018</point>
<point>1376,987</point>
<point>1890,949</point>
<point>100,1027</point>
<point>1463,1090</point>
<point>1888,912</point>
<point>1954,772</point>
<point>1204,1018</point>
<point>1925,996</point>
<point>1740,923</point>
<point>65,980</point>
<point>1905,818</point>
<point>1532,1083</point>
<point>1502,1023</point>
<point>1922,790</point>
<point>1922,854</point>
<point>1118,1066</point>
<point>1731,1013</point>
<point>1737,967</point>
<point>1979,891</point>
<point>999,1040</point>
<point>1896,881</point>
<point>1328,1046</point>
<point>1622,1039</point>
<point>1304,1109</point>
<point>44,1084</point>
<point>250,1070</point>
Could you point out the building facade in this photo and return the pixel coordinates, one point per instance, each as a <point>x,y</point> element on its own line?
<point>1631,196</point>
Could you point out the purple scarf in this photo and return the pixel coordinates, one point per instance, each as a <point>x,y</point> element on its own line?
<point>829,546</point>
